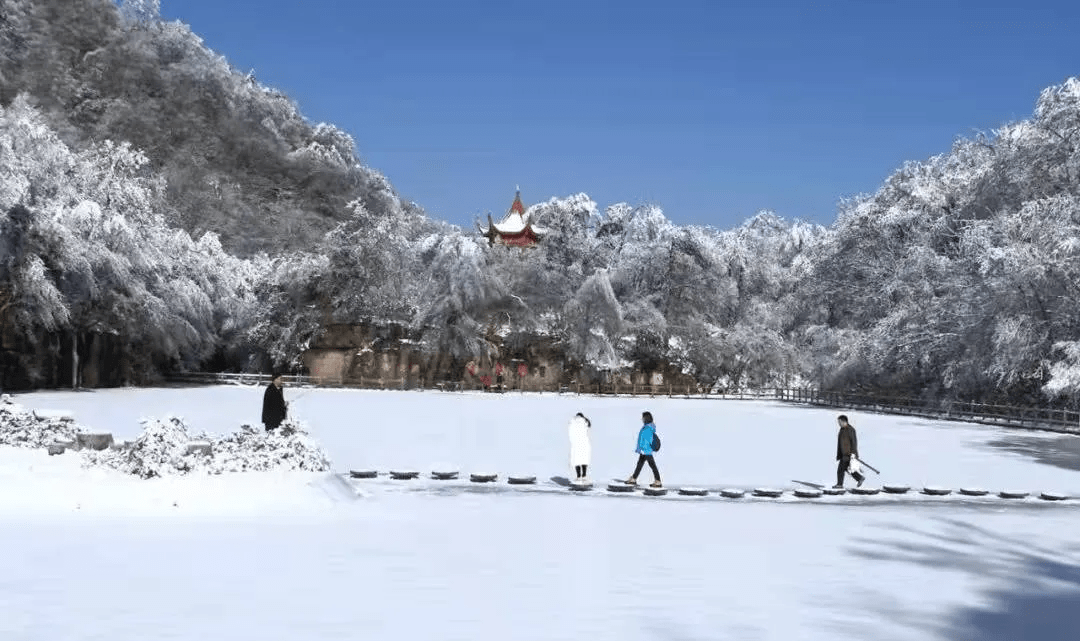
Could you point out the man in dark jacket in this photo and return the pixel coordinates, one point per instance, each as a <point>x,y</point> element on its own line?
<point>274,405</point>
<point>847,446</point>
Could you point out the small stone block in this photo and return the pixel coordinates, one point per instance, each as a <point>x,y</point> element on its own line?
<point>768,493</point>
<point>521,480</point>
<point>1013,495</point>
<point>580,487</point>
<point>865,491</point>
<point>621,488</point>
<point>732,494</point>
<point>936,491</point>
<point>973,491</point>
<point>399,475</point>
<point>445,475</point>
<point>54,415</point>
<point>1052,496</point>
<point>693,491</point>
<point>363,474</point>
<point>833,491</point>
<point>98,442</point>
<point>808,494</point>
<point>896,489</point>
<point>655,491</point>
<point>483,478</point>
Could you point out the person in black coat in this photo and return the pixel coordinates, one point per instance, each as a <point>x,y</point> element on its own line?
<point>274,406</point>
<point>847,446</point>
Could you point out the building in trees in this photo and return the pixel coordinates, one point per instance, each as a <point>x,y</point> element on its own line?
<point>515,229</point>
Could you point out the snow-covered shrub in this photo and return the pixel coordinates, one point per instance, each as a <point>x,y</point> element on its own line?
<point>165,448</point>
<point>20,427</point>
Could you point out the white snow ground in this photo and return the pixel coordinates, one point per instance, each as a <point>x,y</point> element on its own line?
<point>94,554</point>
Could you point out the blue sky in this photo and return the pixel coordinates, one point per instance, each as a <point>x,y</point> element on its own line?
<point>713,110</point>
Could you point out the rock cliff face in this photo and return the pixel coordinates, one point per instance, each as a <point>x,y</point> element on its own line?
<point>393,358</point>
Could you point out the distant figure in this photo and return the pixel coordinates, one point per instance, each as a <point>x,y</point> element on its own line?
<point>274,406</point>
<point>580,446</point>
<point>645,450</point>
<point>847,452</point>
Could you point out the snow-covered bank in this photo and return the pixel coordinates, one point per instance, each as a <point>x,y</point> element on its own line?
<point>167,447</point>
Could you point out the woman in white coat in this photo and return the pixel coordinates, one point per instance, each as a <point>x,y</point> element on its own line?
<point>580,445</point>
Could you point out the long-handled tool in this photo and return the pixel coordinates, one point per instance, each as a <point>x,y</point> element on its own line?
<point>867,465</point>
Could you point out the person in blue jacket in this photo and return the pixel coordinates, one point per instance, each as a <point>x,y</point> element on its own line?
<point>645,451</point>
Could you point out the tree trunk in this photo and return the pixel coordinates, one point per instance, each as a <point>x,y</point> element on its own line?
<point>74,359</point>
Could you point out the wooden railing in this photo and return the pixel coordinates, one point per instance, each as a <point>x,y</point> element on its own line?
<point>1052,419</point>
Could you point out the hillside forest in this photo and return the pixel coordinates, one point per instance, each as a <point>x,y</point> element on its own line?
<point>159,201</point>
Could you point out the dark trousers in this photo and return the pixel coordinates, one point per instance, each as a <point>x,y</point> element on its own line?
<point>581,470</point>
<point>647,458</point>
<point>270,427</point>
<point>841,469</point>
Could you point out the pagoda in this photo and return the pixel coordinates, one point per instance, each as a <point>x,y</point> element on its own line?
<point>515,229</point>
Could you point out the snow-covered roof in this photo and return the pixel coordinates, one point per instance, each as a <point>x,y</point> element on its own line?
<point>515,221</point>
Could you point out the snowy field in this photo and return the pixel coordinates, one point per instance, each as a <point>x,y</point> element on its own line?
<point>93,554</point>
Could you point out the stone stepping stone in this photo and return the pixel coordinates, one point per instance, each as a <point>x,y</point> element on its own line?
<point>1013,494</point>
<point>732,494</point>
<point>693,491</point>
<point>580,487</point>
<point>621,488</point>
<point>444,475</point>
<point>403,475</point>
<point>363,474</point>
<point>896,489</point>
<point>483,478</point>
<point>98,442</point>
<point>833,491</point>
<point>807,494</point>
<point>1052,496</point>
<point>864,491</point>
<point>655,491</point>
<point>973,491</point>
<point>66,416</point>
<point>768,492</point>
<point>936,491</point>
<point>521,480</point>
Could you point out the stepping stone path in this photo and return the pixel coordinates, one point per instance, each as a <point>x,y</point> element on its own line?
<point>865,491</point>
<point>896,489</point>
<point>833,491</point>
<point>483,478</point>
<point>808,494</point>
<point>521,480</point>
<point>444,475</point>
<point>769,493</point>
<point>621,487</point>
<point>973,491</point>
<point>363,474</point>
<point>580,487</point>
<point>732,494</point>
<point>692,491</point>
<point>655,491</point>
<point>1052,496</point>
<point>1013,495</point>
<point>402,475</point>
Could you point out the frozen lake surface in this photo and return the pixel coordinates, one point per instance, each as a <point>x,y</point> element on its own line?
<point>292,555</point>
